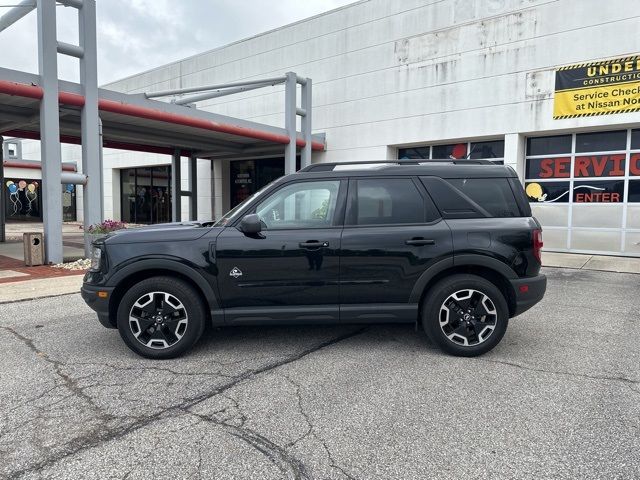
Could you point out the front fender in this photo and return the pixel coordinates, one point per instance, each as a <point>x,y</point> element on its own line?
<point>169,264</point>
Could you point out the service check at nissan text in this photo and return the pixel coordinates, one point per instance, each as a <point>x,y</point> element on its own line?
<point>449,245</point>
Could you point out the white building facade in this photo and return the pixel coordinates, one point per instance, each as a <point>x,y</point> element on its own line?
<point>427,79</point>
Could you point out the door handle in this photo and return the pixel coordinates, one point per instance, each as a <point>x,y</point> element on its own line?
<point>313,244</point>
<point>420,241</point>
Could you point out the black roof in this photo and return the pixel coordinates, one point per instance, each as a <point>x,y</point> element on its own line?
<point>436,168</point>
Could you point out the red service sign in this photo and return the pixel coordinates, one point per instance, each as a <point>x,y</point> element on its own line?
<point>588,166</point>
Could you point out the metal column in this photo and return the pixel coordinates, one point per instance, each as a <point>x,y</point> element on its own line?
<point>193,188</point>
<point>91,141</point>
<point>305,104</point>
<point>50,131</point>
<point>176,188</point>
<point>2,185</point>
<point>290,107</point>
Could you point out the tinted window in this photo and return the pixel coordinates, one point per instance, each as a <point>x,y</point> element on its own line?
<point>635,139</point>
<point>454,150</point>
<point>411,153</point>
<point>549,145</point>
<point>487,150</point>
<point>492,194</point>
<point>388,201</point>
<point>548,192</point>
<point>300,205</point>
<point>634,191</point>
<point>601,141</point>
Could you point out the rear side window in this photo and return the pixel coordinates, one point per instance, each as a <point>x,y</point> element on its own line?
<point>472,197</point>
<point>384,201</point>
<point>492,194</point>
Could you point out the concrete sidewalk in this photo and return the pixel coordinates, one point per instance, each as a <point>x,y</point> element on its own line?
<point>591,262</point>
<point>40,288</point>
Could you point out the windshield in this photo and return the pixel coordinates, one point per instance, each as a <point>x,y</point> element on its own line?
<point>230,216</point>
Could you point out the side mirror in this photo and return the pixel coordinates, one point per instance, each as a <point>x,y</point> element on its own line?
<point>250,224</point>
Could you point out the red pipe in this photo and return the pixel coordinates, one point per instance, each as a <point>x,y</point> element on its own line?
<point>67,98</point>
<point>34,166</point>
<point>134,147</point>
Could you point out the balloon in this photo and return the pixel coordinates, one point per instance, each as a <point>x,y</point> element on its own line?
<point>9,183</point>
<point>70,187</point>
<point>13,188</point>
<point>22,184</point>
<point>31,187</point>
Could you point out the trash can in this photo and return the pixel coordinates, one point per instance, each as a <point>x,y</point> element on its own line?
<point>33,249</point>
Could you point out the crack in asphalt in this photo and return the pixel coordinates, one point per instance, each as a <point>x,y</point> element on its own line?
<point>290,466</point>
<point>98,437</point>
<point>312,431</point>
<point>627,381</point>
<point>70,383</point>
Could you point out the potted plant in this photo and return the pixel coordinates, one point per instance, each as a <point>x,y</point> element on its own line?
<point>99,230</point>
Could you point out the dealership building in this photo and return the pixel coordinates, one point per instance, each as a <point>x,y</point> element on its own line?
<point>549,87</point>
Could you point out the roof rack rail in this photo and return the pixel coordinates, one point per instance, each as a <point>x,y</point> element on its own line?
<point>326,167</point>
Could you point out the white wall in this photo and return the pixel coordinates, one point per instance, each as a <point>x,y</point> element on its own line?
<point>416,71</point>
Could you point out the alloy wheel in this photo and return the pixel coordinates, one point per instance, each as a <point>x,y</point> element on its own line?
<point>158,320</point>
<point>468,317</point>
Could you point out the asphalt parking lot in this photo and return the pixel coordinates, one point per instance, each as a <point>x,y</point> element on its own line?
<point>558,398</point>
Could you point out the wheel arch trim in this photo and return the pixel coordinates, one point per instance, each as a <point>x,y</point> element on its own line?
<point>170,265</point>
<point>458,261</point>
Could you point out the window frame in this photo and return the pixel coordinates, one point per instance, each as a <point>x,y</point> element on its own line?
<point>351,214</point>
<point>338,217</point>
<point>429,146</point>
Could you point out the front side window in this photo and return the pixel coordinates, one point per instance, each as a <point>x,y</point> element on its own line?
<point>384,201</point>
<point>300,205</point>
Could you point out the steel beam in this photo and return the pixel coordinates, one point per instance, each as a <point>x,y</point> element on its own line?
<point>72,3</point>
<point>90,122</point>
<point>290,106</point>
<point>71,50</point>
<point>305,123</point>
<point>16,13</point>
<point>193,188</point>
<point>179,91</point>
<point>74,178</point>
<point>176,188</point>
<point>2,207</point>
<point>219,93</point>
<point>50,131</point>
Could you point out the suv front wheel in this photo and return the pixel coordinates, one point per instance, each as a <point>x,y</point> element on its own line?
<point>161,317</point>
<point>465,315</point>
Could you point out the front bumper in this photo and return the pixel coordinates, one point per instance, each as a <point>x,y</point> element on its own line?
<point>99,304</point>
<point>528,292</point>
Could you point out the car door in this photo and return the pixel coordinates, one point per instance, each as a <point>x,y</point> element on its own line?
<point>392,234</point>
<point>290,270</point>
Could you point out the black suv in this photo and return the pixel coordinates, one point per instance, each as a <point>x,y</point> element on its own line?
<point>451,245</point>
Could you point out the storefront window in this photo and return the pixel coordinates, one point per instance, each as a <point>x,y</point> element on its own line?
<point>249,176</point>
<point>635,139</point>
<point>549,145</point>
<point>601,141</point>
<point>23,201</point>
<point>489,150</point>
<point>578,185</point>
<point>146,195</point>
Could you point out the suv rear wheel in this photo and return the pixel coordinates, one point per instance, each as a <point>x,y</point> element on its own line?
<point>161,317</point>
<point>465,315</point>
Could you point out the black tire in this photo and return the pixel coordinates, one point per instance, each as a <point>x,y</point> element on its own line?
<point>183,317</point>
<point>482,322</point>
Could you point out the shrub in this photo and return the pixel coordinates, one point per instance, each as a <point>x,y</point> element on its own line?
<point>107,226</point>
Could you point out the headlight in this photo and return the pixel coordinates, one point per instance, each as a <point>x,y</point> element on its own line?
<point>96,259</point>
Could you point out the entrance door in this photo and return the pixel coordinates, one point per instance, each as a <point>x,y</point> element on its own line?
<point>392,233</point>
<point>290,271</point>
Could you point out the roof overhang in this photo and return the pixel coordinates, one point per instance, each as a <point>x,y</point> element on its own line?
<point>133,122</point>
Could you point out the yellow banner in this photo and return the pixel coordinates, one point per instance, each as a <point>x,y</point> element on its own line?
<point>598,88</point>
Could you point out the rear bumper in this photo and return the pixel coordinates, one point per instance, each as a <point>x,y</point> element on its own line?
<point>528,292</point>
<point>98,304</point>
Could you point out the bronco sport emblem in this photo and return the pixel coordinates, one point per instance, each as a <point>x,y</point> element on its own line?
<point>235,272</point>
